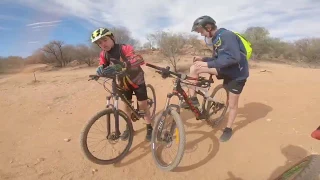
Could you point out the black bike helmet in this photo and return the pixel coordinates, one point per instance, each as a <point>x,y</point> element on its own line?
<point>203,21</point>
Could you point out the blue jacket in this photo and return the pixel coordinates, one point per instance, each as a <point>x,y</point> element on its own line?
<point>228,57</point>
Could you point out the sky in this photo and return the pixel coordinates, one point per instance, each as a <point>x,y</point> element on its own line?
<point>26,25</point>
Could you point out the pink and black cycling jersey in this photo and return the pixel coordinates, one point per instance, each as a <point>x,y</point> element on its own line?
<point>135,72</point>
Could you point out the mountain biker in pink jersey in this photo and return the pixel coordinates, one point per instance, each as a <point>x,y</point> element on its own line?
<point>114,54</point>
<point>228,62</point>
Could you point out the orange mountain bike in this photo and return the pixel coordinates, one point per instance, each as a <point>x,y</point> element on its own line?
<point>162,138</point>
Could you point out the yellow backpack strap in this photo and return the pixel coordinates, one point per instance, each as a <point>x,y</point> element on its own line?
<point>125,83</point>
<point>122,59</point>
<point>132,84</point>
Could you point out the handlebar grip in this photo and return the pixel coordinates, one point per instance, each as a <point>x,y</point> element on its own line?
<point>166,70</point>
<point>154,66</point>
<point>163,70</point>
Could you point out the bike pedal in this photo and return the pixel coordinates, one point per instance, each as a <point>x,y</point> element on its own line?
<point>134,118</point>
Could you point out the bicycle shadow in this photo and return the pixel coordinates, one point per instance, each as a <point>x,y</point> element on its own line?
<point>233,177</point>
<point>193,145</point>
<point>259,111</point>
<point>293,154</point>
<point>249,113</point>
<point>144,145</point>
<point>189,120</point>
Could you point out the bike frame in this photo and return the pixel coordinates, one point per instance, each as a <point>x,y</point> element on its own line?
<point>116,93</point>
<point>182,95</point>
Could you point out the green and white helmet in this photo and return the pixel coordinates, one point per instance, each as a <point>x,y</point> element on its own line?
<point>99,33</point>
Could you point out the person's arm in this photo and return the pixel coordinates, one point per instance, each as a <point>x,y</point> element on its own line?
<point>228,53</point>
<point>134,60</point>
<point>102,60</point>
<point>207,59</point>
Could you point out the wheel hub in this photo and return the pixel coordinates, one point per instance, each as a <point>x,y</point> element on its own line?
<point>113,137</point>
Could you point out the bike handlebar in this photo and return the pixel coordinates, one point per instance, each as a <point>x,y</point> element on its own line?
<point>114,75</point>
<point>165,72</point>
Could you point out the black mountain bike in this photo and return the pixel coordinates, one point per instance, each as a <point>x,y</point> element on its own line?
<point>113,110</point>
<point>176,131</point>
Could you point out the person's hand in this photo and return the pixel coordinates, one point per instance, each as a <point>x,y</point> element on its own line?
<point>118,67</point>
<point>99,70</point>
<point>197,58</point>
<point>200,64</point>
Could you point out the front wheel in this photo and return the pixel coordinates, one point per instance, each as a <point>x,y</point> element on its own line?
<point>152,101</point>
<point>306,169</point>
<point>217,106</point>
<point>113,137</point>
<point>163,139</point>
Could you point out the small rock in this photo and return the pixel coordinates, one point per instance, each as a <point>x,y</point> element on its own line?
<point>67,140</point>
<point>40,159</point>
<point>11,161</point>
<point>269,120</point>
<point>94,170</point>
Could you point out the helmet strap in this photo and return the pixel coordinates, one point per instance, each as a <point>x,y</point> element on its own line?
<point>210,32</point>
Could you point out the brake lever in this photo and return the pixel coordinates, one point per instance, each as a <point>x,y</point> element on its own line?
<point>93,77</point>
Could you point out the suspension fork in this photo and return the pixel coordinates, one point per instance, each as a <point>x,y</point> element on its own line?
<point>115,107</point>
<point>169,96</point>
<point>108,115</point>
<point>116,114</point>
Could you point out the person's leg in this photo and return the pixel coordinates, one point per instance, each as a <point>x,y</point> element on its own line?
<point>128,95</point>
<point>195,72</point>
<point>142,97</point>
<point>234,89</point>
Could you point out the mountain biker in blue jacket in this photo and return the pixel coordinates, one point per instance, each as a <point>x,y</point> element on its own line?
<point>228,62</point>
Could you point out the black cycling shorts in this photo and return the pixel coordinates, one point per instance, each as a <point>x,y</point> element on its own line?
<point>234,86</point>
<point>140,92</point>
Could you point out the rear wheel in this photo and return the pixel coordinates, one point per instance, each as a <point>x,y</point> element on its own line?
<point>163,139</point>
<point>306,169</point>
<point>111,137</point>
<point>217,107</point>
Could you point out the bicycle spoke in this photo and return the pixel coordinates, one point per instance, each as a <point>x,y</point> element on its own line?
<point>99,145</point>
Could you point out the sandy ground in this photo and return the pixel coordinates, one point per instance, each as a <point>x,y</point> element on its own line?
<point>271,132</point>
